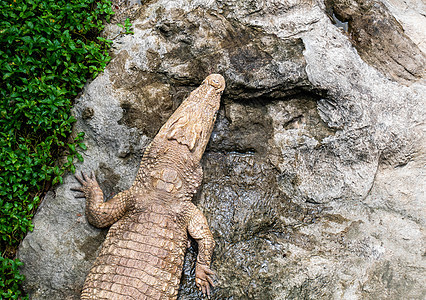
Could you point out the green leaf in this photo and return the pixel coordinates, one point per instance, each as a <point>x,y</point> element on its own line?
<point>80,157</point>
<point>44,61</point>
<point>82,146</point>
<point>72,148</point>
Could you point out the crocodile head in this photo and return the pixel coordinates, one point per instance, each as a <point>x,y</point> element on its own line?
<point>192,123</point>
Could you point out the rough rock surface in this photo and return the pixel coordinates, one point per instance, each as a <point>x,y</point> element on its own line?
<point>314,175</point>
<point>380,39</point>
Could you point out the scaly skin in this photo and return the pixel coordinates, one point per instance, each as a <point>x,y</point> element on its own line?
<point>142,256</point>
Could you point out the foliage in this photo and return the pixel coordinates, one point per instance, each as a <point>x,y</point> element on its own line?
<point>48,49</point>
<point>127,27</point>
<point>10,279</point>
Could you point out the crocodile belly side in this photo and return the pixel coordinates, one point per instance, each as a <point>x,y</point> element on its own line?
<point>141,258</point>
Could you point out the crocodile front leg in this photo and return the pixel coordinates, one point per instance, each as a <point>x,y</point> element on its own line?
<point>199,230</point>
<point>99,213</point>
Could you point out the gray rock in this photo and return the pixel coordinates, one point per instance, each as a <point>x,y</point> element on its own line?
<point>314,175</point>
<point>411,15</point>
<point>380,39</point>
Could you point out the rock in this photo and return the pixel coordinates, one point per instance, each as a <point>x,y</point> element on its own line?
<point>380,39</point>
<point>313,175</point>
<point>410,14</point>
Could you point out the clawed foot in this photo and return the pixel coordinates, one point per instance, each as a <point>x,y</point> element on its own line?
<point>204,278</point>
<point>88,185</point>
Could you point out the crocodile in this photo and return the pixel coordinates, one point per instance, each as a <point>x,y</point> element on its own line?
<point>143,253</point>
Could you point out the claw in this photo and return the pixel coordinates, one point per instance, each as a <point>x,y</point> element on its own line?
<point>204,279</point>
<point>88,182</point>
<point>209,271</point>
<point>79,179</point>
<point>210,280</point>
<point>208,292</point>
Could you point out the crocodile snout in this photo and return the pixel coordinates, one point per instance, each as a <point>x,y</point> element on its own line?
<point>217,81</point>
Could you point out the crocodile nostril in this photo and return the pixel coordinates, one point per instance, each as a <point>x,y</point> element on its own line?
<point>215,83</point>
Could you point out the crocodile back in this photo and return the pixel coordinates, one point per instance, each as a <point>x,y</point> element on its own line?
<point>141,258</point>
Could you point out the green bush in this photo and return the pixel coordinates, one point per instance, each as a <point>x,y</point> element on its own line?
<point>48,49</point>
<point>10,279</point>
